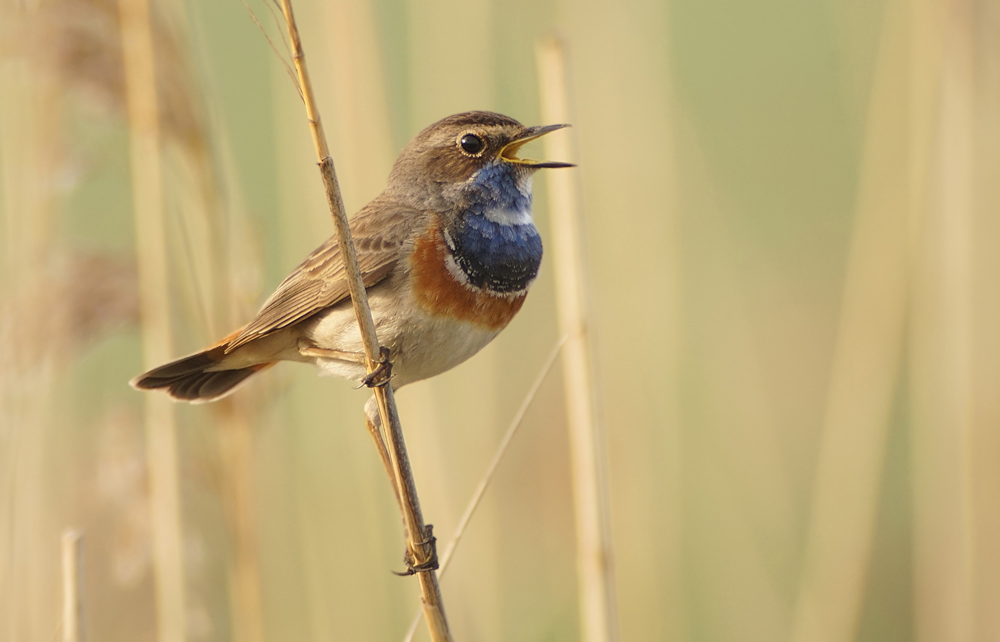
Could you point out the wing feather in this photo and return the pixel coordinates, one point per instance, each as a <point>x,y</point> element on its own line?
<point>380,231</point>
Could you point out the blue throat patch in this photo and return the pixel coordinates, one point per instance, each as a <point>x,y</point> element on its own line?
<point>497,255</point>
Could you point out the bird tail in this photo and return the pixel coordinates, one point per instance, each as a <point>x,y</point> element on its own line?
<point>200,377</point>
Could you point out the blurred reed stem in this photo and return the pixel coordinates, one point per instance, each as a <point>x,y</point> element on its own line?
<point>598,610</point>
<point>866,364</point>
<point>72,581</point>
<point>151,249</point>
<point>942,339</point>
<point>211,233</point>
<point>491,470</point>
<point>360,128</point>
<point>984,442</point>
<point>32,147</point>
<point>236,446</point>
<point>419,539</point>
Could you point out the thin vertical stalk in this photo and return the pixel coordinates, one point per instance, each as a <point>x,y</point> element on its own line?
<point>72,582</point>
<point>419,542</point>
<point>148,206</point>
<point>588,446</point>
<point>866,365</point>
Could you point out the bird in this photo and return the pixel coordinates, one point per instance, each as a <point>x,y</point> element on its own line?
<point>448,252</point>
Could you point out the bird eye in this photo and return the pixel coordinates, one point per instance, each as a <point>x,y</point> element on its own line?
<point>471,144</point>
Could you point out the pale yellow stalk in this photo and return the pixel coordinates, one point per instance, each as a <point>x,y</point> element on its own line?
<point>212,245</point>
<point>941,336</point>
<point>72,582</point>
<point>151,250</point>
<point>984,440</point>
<point>588,446</point>
<point>31,150</point>
<point>866,365</point>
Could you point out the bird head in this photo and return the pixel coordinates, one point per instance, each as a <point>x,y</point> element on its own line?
<point>449,154</point>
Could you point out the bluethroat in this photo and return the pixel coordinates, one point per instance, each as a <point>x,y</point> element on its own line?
<point>447,252</point>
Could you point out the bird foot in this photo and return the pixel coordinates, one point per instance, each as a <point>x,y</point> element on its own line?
<point>382,374</point>
<point>413,565</point>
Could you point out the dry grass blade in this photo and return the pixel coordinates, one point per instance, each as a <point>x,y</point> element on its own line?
<point>277,52</point>
<point>515,424</point>
<point>588,445</point>
<point>491,470</point>
<point>420,544</point>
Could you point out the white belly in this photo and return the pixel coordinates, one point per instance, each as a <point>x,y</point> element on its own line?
<point>421,345</point>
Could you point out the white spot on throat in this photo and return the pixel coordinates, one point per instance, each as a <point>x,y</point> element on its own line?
<point>456,271</point>
<point>509,216</point>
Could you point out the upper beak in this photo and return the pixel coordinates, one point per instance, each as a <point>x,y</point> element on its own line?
<point>509,151</point>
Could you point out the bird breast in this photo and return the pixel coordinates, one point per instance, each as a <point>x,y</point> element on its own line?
<point>442,287</point>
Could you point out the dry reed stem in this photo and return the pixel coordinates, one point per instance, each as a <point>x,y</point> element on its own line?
<point>484,483</point>
<point>147,195</point>
<point>383,455</point>
<point>72,582</point>
<point>588,445</point>
<point>420,546</point>
<point>865,367</point>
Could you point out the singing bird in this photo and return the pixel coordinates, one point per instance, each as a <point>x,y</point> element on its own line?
<point>447,253</point>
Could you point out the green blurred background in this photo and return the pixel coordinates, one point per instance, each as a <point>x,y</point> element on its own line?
<point>791,214</point>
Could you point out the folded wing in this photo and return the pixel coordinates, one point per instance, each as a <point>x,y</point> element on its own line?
<point>380,231</point>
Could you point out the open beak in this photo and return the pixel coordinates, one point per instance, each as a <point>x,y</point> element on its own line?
<point>509,152</point>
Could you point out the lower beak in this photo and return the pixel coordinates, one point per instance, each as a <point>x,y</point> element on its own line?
<point>509,152</point>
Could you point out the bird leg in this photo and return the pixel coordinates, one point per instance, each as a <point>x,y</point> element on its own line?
<point>377,378</point>
<point>309,349</point>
